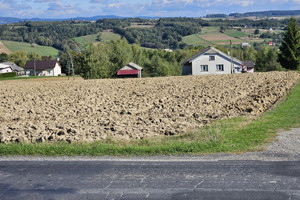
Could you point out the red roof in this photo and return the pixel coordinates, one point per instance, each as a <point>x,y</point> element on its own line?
<point>128,72</point>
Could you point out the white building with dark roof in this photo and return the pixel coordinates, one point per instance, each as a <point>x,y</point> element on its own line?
<point>211,61</point>
<point>43,68</point>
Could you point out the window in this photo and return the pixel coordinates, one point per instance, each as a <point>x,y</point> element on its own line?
<point>220,68</point>
<point>211,58</point>
<point>204,68</point>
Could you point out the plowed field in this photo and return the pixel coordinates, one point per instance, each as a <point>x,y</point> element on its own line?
<point>92,110</point>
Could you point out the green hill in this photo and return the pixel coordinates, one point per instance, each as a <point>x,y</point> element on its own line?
<point>105,36</point>
<point>22,46</point>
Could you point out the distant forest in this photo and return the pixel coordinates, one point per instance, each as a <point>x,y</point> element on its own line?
<point>165,33</point>
<point>273,13</point>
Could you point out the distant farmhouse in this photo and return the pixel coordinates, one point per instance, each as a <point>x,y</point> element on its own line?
<point>210,61</point>
<point>131,70</point>
<point>7,67</point>
<point>43,68</point>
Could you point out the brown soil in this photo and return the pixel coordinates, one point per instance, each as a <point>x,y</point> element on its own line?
<point>216,37</point>
<point>40,111</point>
<point>226,43</point>
<point>4,49</point>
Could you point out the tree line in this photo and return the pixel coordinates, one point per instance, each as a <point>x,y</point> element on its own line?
<point>105,59</point>
<point>165,33</point>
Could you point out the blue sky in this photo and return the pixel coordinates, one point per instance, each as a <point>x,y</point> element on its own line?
<point>131,8</point>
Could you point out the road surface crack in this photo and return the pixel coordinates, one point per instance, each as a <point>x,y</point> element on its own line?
<point>198,184</point>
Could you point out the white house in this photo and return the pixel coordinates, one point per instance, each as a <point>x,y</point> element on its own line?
<point>43,68</point>
<point>7,67</point>
<point>210,61</point>
<point>4,68</point>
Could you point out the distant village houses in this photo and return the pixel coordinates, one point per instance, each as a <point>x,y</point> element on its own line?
<point>211,61</point>
<point>245,44</point>
<point>43,68</point>
<point>271,44</point>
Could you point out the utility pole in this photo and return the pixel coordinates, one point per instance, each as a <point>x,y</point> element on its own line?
<point>72,64</point>
<point>232,70</point>
<point>242,59</point>
<point>73,73</point>
<point>34,67</point>
<point>69,68</point>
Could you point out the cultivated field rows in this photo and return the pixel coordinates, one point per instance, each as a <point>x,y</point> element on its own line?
<point>92,110</point>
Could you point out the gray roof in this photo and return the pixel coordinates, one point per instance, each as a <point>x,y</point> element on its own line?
<point>210,50</point>
<point>249,63</point>
<point>41,64</point>
<point>13,66</point>
<point>135,66</point>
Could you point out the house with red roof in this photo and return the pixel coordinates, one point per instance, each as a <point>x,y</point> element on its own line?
<point>131,70</point>
<point>43,68</point>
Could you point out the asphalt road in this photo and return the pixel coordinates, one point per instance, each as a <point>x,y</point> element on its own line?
<point>150,180</point>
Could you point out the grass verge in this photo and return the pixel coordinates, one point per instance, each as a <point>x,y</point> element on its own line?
<point>234,135</point>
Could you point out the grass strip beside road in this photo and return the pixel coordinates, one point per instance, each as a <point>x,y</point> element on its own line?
<point>234,135</point>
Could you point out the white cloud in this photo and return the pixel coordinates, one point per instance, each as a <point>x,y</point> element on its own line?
<point>59,9</point>
<point>116,5</point>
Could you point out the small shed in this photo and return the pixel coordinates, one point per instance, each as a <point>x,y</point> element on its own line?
<point>248,66</point>
<point>131,70</point>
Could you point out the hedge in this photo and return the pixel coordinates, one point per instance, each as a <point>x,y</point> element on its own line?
<point>8,75</point>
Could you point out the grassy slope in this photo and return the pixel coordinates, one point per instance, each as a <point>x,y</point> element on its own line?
<point>239,36</point>
<point>105,36</point>
<point>232,135</point>
<point>22,46</point>
<point>196,40</point>
<point>236,34</point>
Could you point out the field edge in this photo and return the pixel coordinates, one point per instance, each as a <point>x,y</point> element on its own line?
<point>247,134</point>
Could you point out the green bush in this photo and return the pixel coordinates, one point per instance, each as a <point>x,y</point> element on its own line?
<point>8,75</point>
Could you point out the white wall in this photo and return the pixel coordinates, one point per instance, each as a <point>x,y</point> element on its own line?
<point>48,72</point>
<point>212,65</point>
<point>5,70</point>
<point>57,70</point>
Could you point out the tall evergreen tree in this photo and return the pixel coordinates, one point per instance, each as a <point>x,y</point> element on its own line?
<point>289,56</point>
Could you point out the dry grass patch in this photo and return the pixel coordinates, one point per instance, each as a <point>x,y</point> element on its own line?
<point>4,49</point>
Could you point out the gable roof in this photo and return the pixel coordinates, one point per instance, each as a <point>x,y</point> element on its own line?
<point>209,50</point>
<point>132,66</point>
<point>135,66</point>
<point>248,63</point>
<point>41,64</point>
<point>11,65</point>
